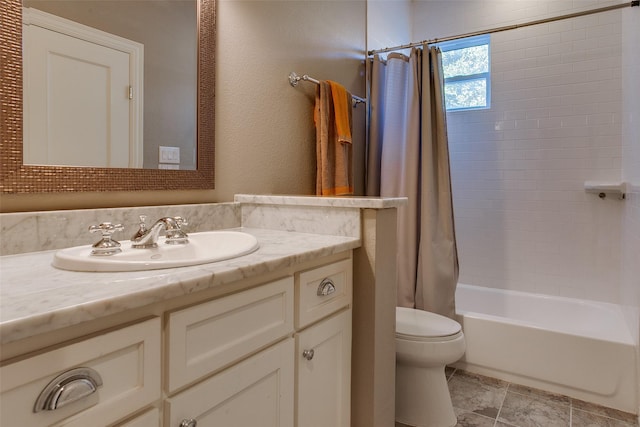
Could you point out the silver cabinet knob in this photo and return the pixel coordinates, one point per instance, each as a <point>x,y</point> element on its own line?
<point>326,287</point>
<point>67,388</point>
<point>308,354</point>
<point>188,423</point>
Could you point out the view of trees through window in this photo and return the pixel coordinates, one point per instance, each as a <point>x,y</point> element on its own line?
<point>466,70</point>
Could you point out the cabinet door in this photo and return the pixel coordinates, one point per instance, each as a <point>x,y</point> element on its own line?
<point>255,392</point>
<point>323,361</point>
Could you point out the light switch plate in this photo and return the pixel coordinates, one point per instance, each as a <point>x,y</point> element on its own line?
<point>169,154</point>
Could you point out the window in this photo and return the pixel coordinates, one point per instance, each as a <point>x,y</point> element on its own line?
<point>466,66</point>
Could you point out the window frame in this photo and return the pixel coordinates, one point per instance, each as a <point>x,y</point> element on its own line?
<point>481,40</point>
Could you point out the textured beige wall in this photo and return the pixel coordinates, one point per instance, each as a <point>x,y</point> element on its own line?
<point>265,138</point>
<point>264,127</point>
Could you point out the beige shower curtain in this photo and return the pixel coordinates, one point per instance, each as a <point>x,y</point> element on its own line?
<point>408,156</point>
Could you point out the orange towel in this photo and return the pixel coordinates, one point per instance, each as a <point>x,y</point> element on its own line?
<point>342,110</point>
<point>333,157</point>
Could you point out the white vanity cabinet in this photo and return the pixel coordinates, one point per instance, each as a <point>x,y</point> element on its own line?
<point>273,351</point>
<point>280,355</point>
<point>94,382</point>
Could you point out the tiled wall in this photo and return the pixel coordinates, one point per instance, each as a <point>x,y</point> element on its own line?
<point>523,219</point>
<point>631,161</point>
<point>386,23</point>
<point>631,256</point>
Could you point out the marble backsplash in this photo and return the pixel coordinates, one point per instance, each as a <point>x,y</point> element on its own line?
<point>307,219</point>
<point>40,231</point>
<point>336,216</point>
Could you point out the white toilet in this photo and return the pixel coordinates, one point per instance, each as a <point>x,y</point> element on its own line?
<point>425,343</point>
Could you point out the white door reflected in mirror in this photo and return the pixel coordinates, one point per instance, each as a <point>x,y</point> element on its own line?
<point>81,95</point>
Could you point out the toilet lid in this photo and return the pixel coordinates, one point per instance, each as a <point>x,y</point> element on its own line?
<point>414,324</point>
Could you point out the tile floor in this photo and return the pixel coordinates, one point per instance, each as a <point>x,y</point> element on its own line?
<point>487,402</point>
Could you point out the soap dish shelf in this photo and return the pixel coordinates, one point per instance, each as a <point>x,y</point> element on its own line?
<point>603,189</point>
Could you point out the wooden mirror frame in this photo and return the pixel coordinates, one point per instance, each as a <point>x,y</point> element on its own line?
<point>15,177</point>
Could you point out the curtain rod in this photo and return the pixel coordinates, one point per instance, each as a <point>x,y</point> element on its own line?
<point>294,79</point>
<point>507,27</point>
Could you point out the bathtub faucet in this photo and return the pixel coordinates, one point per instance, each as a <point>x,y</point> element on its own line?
<point>148,237</point>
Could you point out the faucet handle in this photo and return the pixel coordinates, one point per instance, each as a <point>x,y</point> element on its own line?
<point>143,222</point>
<point>180,221</point>
<point>106,228</point>
<point>177,236</point>
<point>106,245</point>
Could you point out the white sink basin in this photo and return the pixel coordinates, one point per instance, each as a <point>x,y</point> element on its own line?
<point>204,247</point>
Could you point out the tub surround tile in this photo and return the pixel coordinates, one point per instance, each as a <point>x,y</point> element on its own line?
<point>518,170</point>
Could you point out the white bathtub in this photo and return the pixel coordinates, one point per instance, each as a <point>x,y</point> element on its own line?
<point>582,349</point>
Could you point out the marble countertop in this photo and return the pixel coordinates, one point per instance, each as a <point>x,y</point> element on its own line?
<point>360,202</point>
<point>37,298</point>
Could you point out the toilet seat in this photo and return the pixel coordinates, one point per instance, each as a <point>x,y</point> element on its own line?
<point>424,326</point>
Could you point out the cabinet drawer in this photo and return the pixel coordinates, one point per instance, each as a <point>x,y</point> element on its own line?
<point>127,360</point>
<point>209,336</point>
<point>311,304</point>
<point>255,392</point>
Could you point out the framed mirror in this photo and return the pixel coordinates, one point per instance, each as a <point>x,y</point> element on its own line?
<point>17,177</point>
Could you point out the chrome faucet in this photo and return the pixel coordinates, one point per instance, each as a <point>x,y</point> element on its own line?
<point>148,237</point>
